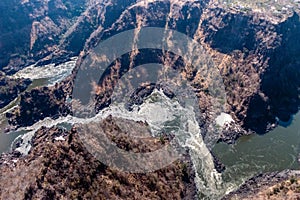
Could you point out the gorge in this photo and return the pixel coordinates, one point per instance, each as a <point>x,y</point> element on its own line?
<point>254,49</point>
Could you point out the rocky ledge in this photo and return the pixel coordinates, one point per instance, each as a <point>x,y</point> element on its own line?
<point>275,185</point>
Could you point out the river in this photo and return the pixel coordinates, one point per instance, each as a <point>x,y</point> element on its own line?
<point>41,76</point>
<point>274,151</point>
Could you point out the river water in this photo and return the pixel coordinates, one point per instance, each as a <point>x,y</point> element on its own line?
<point>7,139</point>
<point>274,151</point>
<point>251,155</point>
<point>41,76</point>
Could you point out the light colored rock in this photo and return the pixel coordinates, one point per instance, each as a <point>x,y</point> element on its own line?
<point>224,119</point>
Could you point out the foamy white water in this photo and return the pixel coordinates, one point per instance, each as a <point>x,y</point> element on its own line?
<point>224,119</point>
<point>156,114</point>
<point>54,73</point>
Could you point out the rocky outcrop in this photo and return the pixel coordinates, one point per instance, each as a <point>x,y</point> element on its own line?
<point>59,166</point>
<point>11,88</point>
<point>284,64</point>
<point>252,51</point>
<point>275,185</point>
<point>231,132</point>
<point>40,103</point>
<point>243,46</point>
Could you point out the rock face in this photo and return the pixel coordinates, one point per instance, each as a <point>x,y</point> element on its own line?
<point>252,45</point>
<point>32,30</point>
<point>257,56</point>
<point>11,88</point>
<point>276,185</point>
<point>284,64</point>
<point>40,103</point>
<point>63,169</point>
<point>248,48</point>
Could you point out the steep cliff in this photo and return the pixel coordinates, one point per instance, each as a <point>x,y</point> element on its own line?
<point>32,30</point>
<point>257,55</point>
<point>248,48</point>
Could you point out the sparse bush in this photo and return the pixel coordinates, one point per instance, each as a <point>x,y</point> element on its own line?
<point>276,190</point>
<point>293,180</point>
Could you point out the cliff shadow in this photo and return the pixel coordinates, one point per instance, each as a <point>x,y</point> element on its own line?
<point>281,81</point>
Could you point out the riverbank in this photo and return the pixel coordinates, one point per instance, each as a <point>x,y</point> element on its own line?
<point>10,88</point>
<point>247,50</point>
<point>275,185</point>
<point>59,166</point>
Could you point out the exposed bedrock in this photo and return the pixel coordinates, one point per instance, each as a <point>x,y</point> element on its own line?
<point>40,103</point>
<point>11,88</point>
<point>280,82</point>
<point>59,166</point>
<point>257,58</point>
<point>262,80</point>
<point>273,185</point>
<point>32,30</point>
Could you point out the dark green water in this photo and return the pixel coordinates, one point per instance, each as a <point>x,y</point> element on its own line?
<point>274,151</point>
<point>7,139</point>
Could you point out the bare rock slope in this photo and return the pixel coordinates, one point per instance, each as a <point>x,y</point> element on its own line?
<point>60,167</point>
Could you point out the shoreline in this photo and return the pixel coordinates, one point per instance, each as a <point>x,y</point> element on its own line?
<point>263,186</point>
